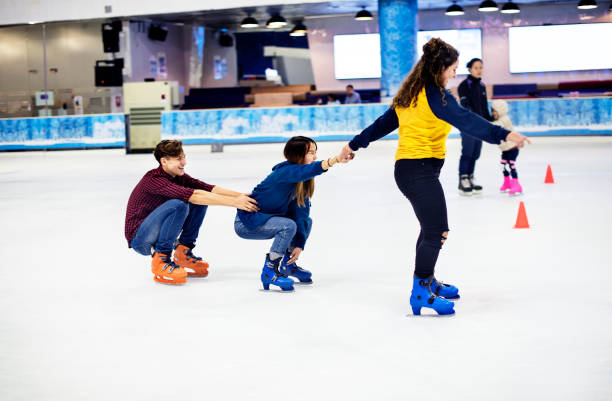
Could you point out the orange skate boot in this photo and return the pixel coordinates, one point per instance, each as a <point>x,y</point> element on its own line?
<point>165,271</point>
<point>194,265</point>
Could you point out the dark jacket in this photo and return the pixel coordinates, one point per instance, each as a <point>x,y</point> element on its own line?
<point>473,96</point>
<point>275,196</point>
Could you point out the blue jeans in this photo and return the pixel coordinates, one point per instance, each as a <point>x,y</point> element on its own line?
<point>282,229</point>
<point>162,227</point>
<point>470,152</point>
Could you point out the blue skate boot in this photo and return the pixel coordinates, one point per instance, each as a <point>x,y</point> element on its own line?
<point>271,275</point>
<point>422,297</point>
<point>294,270</point>
<point>441,289</point>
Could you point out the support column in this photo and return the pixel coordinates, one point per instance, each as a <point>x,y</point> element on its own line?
<point>397,22</point>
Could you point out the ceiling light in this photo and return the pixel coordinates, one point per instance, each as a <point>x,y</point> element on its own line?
<point>277,21</point>
<point>249,22</point>
<point>363,15</point>
<point>298,30</point>
<point>587,4</point>
<point>488,6</point>
<point>454,10</point>
<point>510,8</point>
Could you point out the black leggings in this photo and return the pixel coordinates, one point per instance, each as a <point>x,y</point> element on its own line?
<point>418,179</point>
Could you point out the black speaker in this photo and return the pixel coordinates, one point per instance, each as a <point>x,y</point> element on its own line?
<point>156,32</point>
<point>110,36</point>
<point>226,40</point>
<point>109,73</point>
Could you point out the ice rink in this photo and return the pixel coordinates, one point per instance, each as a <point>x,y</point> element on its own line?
<point>82,319</point>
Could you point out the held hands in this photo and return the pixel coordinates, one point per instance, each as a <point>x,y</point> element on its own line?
<point>294,255</point>
<point>245,203</point>
<point>519,139</point>
<point>346,154</point>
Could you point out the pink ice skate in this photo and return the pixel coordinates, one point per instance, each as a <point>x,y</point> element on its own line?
<point>506,186</point>
<point>515,187</point>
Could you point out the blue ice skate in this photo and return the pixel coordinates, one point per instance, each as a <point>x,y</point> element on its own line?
<point>422,297</point>
<point>294,270</point>
<point>271,275</point>
<point>441,289</point>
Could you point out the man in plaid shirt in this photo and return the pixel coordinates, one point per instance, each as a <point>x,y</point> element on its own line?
<point>167,207</point>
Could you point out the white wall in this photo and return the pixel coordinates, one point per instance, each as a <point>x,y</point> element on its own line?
<point>72,48</point>
<point>24,11</point>
<point>494,42</point>
<point>142,48</point>
<point>212,49</point>
<point>321,33</point>
<point>495,38</point>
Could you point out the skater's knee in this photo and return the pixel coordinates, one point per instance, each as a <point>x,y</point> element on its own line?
<point>434,238</point>
<point>178,205</point>
<point>290,227</point>
<point>444,237</point>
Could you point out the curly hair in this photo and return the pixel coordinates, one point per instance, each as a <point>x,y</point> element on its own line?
<point>437,57</point>
<point>168,148</point>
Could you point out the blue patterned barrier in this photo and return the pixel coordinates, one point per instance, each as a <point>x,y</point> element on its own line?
<point>272,124</point>
<point>67,132</point>
<point>542,117</point>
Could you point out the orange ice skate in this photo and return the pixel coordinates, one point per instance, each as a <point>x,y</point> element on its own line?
<point>166,271</point>
<point>194,265</point>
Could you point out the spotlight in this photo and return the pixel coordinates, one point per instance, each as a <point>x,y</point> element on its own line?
<point>298,30</point>
<point>454,10</point>
<point>249,22</point>
<point>587,4</point>
<point>363,15</point>
<point>277,21</point>
<point>488,6</point>
<point>510,8</point>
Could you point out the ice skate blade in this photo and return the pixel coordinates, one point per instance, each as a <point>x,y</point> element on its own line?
<point>465,193</point>
<point>477,192</point>
<point>516,194</point>
<point>451,298</point>
<point>277,290</point>
<point>430,315</point>
<point>309,282</point>
<point>163,280</point>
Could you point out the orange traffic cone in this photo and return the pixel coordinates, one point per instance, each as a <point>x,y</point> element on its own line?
<point>549,176</point>
<point>521,219</point>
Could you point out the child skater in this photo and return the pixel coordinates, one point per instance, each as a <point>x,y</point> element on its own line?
<point>283,198</point>
<point>499,109</point>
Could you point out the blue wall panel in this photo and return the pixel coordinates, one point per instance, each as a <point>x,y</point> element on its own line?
<point>545,117</point>
<point>87,131</point>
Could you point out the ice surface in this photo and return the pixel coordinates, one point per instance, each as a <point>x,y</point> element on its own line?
<point>82,319</point>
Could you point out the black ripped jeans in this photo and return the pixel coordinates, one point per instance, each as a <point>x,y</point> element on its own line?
<point>418,179</point>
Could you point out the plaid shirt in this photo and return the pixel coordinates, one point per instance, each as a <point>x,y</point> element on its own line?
<point>155,188</point>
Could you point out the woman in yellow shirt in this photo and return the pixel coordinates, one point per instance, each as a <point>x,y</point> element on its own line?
<point>424,112</point>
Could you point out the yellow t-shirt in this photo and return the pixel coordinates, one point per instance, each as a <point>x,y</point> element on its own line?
<point>421,134</point>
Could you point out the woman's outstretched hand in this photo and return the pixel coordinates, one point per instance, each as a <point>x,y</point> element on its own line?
<point>519,139</point>
<point>346,154</point>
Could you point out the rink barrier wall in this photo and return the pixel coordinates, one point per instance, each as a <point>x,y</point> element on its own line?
<point>540,117</point>
<point>63,132</point>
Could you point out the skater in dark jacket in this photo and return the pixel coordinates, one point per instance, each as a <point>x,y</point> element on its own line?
<point>472,96</point>
<point>283,198</point>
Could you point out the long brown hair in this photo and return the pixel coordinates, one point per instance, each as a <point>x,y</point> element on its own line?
<point>295,152</point>
<point>437,57</point>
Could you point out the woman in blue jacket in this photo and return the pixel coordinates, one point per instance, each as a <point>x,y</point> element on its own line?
<point>283,198</point>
